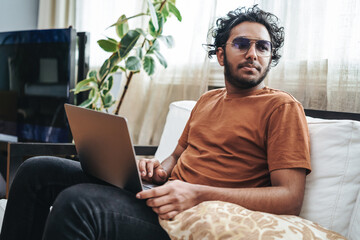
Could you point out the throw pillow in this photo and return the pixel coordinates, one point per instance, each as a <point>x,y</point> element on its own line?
<point>221,220</point>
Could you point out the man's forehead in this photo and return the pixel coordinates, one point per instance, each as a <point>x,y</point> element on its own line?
<point>250,30</point>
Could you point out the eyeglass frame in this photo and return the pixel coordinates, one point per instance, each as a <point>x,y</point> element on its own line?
<point>252,40</point>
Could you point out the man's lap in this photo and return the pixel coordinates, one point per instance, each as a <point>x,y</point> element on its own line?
<point>62,183</point>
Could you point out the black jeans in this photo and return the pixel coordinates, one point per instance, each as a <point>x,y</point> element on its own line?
<point>83,206</point>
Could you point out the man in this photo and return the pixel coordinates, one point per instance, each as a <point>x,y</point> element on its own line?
<point>247,144</point>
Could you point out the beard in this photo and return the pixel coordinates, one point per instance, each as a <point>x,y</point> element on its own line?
<point>240,82</point>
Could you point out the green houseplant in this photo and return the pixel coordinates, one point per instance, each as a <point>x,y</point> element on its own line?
<point>135,49</point>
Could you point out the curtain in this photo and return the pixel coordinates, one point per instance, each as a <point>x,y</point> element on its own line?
<point>186,76</point>
<point>96,16</point>
<point>147,99</point>
<point>321,56</point>
<point>56,14</point>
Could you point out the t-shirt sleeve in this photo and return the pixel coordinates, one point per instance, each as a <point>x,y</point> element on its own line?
<point>288,142</point>
<point>183,140</point>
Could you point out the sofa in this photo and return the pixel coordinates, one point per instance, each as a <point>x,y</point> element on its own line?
<point>332,194</point>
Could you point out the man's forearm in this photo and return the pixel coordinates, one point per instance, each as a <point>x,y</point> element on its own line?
<point>285,196</point>
<point>168,164</point>
<point>276,200</point>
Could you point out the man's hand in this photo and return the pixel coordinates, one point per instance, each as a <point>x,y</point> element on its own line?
<point>170,199</point>
<point>152,171</point>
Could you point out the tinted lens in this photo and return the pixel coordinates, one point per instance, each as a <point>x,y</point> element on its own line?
<point>241,43</point>
<point>263,46</point>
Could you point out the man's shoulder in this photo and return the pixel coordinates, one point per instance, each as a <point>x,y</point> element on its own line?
<point>279,96</point>
<point>213,94</point>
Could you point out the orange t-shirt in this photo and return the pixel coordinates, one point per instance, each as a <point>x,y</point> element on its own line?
<point>236,141</point>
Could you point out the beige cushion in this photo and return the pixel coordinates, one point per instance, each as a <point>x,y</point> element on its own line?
<point>221,220</point>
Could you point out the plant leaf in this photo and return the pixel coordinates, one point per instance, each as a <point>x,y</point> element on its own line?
<point>93,74</point>
<point>161,58</point>
<point>111,82</point>
<point>114,59</point>
<point>120,21</point>
<point>142,32</point>
<point>152,30</point>
<point>133,63</point>
<point>108,65</point>
<point>165,11</point>
<point>154,18</point>
<point>93,97</point>
<point>128,42</point>
<point>175,11</point>
<point>149,65</point>
<point>104,67</point>
<point>112,40</point>
<point>123,27</point>
<point>157,5</point>
<point>139,52</point>
<point>108,100</point>
<point>106,85</point>
<point>154,47</point>
<point>107,45</point>
<point>114,69</point>
<point>85,85</point>
<point>168,40</point>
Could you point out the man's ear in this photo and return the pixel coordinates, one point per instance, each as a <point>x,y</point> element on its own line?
<point>220,55</point>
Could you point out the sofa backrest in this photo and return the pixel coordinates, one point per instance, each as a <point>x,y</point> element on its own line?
<point>332,188</point>
<point>179,113</point>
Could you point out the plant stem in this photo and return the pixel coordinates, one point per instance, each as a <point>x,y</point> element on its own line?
<point>162,5</point>
<point>123,94</point>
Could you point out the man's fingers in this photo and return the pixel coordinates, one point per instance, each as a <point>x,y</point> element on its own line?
<point>154,192</point>
<point>165,209</point>
<point>169,215</point>
<point>150,168</point>
<point>160,176</point>
<point>159,201</point>
<point>162,173</point>
<point>142,167</point>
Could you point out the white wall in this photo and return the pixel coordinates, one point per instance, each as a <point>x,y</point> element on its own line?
<point>18,15</point>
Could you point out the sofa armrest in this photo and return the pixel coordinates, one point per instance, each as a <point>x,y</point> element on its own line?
<point>17,152</point>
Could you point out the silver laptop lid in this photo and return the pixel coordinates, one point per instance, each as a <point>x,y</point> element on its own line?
<point>104,146</point>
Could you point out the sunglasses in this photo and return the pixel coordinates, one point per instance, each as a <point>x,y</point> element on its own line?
<point>262,47</point>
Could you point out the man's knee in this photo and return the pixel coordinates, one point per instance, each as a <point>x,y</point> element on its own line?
<point>73,196</point>
<point>41,166</point>
<point>37,164</point>
<point>90,198</point>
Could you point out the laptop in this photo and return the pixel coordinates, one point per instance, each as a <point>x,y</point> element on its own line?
<point>104,147</point>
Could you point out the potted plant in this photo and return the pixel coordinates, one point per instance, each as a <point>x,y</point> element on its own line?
<point>135,49</point>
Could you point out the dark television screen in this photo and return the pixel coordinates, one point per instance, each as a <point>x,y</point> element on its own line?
<point>36,73</point>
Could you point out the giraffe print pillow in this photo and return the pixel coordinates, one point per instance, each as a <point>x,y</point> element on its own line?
<point>221,220</point>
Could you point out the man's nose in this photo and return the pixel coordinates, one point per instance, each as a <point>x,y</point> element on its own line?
<point>251,53</point>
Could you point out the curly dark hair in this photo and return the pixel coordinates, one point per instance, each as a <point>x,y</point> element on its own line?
<point>225,24</point>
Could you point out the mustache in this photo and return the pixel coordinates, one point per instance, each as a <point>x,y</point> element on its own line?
<point>250,64</point>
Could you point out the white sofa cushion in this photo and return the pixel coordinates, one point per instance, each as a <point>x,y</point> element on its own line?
<point>333,185</point>
<point>354,228</point>
<point>179,113</point>
<point>2,210</point>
